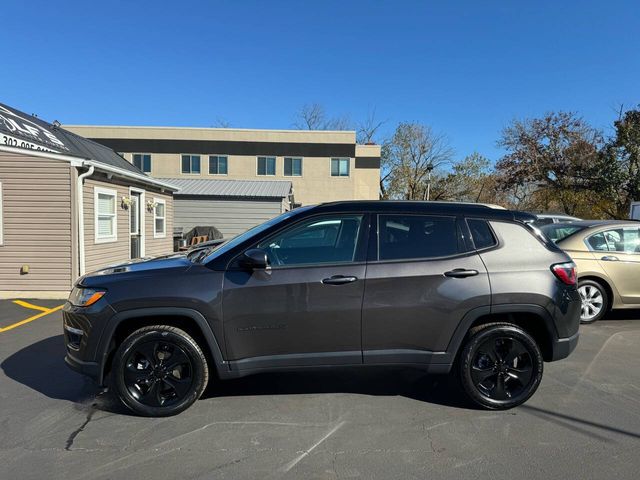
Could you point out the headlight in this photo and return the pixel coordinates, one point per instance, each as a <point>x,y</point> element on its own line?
<point>83,297</point>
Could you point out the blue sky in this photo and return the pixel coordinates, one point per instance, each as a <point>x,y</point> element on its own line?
<point>464,67</point>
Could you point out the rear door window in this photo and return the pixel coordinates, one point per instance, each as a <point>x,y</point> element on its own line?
<point>416,237</point>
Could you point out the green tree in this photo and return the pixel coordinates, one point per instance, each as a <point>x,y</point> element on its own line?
<point>408,159</point>
<point>617,174</point>
<point>549,159</point>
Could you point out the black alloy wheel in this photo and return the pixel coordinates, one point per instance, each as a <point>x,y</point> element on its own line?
<point>159,371</point>
<point>501,366</point>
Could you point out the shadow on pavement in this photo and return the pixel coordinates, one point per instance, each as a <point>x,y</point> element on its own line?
<point>41,366</point>
<point>410,383</point>
<point>575,423</point>
<point>631,314</point>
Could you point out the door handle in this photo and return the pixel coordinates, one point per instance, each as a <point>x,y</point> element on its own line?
<point>460,273</point>
<point>610,258</point>
<point>339,280</point>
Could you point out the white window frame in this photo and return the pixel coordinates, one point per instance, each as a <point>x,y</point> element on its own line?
<point>96,214</point>
<point>284,166</point>
<point>191,155</point>
<point>1,217</point>
<point>348,159</point>
<point>133,160</point>
<point>209,165</point>
<point>266,157</point>
<point>162,234</point>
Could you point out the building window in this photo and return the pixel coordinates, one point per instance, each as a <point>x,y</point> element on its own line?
<point>339,167</point>
<point>105,215</point>
<point>292,167</point>
<point>159,218</point>
<point>191,164</point>
<point>266,165</point>
<point>217,165</point>
<point>142,161</point>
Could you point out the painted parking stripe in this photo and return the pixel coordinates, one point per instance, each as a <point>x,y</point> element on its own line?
<point>24,304</point>
<point>31,319</point>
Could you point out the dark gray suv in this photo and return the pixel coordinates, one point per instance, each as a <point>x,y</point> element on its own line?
<point>437,286</point>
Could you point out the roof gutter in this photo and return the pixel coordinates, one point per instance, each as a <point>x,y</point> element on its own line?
<point>79,162</point>
<point>80,210</point>
<point>125,173</point>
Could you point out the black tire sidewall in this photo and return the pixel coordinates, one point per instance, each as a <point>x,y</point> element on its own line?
<point>605,303</point>
<point>185,342</point>
<point>469,352</point>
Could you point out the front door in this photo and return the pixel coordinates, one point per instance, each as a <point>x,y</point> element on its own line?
<point>135,225</point>
<point>306,308</point>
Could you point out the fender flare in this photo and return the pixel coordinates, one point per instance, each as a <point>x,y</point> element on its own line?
<point>103,350</point>
<point>472,315</point>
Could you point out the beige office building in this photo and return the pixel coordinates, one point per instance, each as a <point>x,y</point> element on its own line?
<point>322,166</point>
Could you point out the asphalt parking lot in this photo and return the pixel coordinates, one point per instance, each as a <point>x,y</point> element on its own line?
<point>584,421</point>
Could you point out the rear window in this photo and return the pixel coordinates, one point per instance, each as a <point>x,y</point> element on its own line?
<point>481,234</point>
<point>416,236</point>
<point>557,232</point>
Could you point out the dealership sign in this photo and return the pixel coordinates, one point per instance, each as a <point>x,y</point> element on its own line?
<point>20,131</point>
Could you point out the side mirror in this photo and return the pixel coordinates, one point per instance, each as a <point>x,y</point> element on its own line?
<point>255,259</point>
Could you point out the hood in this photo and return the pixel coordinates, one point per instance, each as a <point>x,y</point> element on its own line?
<point>144,266</point>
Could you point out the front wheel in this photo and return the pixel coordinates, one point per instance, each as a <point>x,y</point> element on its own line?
<point>595,301</point>
<point>159,371</point>
<point>500,366</point>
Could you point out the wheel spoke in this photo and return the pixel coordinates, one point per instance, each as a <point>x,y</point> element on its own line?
<point>149,350</point>
<point>134,375</point>
<point>521,375</point>
<point>179,387</point>
<point>479,375</point>
<point>517,350</point>
<point>499,391</point>
<point>177,359</point>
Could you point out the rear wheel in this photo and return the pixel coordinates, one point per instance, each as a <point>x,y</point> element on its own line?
<point>159,371</point>
<point>595,301</point>
<point>500,366</point>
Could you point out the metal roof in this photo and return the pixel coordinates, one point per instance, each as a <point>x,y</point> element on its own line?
<point>32,133</point>
<point>232,188</point>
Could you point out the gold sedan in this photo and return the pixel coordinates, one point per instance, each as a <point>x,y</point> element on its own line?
<point>607,253</point>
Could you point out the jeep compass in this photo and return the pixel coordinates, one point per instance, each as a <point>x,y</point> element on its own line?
<point>464,289</point>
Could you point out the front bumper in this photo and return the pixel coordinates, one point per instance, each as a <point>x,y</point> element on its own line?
<point>83,328</point>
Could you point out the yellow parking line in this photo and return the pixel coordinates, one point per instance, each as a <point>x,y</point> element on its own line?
<point>31,319</point>
<point>24,304</point>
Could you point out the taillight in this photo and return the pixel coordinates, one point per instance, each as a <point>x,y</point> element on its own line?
<point>566,272</point>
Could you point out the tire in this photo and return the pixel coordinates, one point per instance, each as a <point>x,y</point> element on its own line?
<point>148,382</point>
<point>595,301</point>
<point>500,366</point>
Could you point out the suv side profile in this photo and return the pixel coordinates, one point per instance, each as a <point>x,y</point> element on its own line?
<point>442,287</point>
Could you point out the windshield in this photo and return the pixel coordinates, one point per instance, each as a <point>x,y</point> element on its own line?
<point>237,240</point>
<point>557,232</point>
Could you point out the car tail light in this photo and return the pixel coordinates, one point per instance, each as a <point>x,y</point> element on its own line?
<point>566,272</point>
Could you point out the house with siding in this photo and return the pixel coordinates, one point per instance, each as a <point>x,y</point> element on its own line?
<point>69,206</point>
<point>232,206</point>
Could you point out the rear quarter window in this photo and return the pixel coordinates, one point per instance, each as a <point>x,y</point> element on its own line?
<point>481,233</point>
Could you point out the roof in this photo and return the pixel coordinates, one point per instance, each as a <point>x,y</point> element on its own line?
<point>232,188</point>
<point>35,134</point>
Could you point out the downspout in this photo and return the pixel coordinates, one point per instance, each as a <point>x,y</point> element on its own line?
<point>80,211</point>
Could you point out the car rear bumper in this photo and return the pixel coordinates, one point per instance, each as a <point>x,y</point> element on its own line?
<point>563,347</point>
